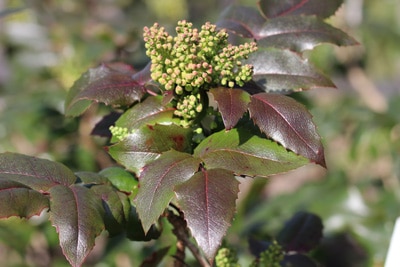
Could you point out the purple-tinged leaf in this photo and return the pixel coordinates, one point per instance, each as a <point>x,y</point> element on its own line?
<point>157,182</point>
<point>300,33</point>
<point>147,143</point>
<point>77,215</point>
<point>244,153</point>
<point>208,203</point>
<point>155,258</point>
<point>277,8</point>
<point>288,122</point>
<point>17,199</point>
<point>240,20</point>
<point>150,111</point>
<point>232,104</point>
<point>114,84</point>
<point>38,174</point>
<point>301,233</point>
<point>277,70</point>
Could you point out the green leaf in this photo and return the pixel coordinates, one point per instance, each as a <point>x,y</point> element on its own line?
<point>38,174</point>
<point>120,178</point>
<point>244,153</point>
<point>300,33</point>
<point>112,84</point>
<point>17,199</point>
<point>78,217</point>
<point>91,178</point>
<point>150,111</point>
<point>278,70</point>
<point>157,182</point>
<point>276,8</point>
<point>147,143</point>
<point>288,122</point>
<point>232,104</point>
<point>208,202</point>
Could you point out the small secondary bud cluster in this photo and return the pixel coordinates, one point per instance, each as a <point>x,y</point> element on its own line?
<point>119,132</point>
<point>195,60</point>
<point>226,258</point>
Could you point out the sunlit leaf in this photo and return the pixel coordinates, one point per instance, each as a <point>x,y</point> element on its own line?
<point>78,217</point>
<point>120,178</point>
<point>276,8</point>
<point>146,144</point>
<point>299,33</point>
<point>232,104</point>
<point>157,182</point>
<point>244,153</point>
<point>19,200</point>
<point>38,174</point>
<point>288,122</point>
<point>283,70</point>
<point>208,202</point>
<point>112,84</point>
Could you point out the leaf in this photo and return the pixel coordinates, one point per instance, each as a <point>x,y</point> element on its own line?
<point>135,231</point>
<point>38,174</point>
<point>155,258</point>
<point>112,84</point>
<point>78,217</point>
<point>276,8</point>
<point>120,178</point>
<point>232,104</point>
<point>90,178</point>
<point>157,182</point>
<point>288,122</point>
<point>208,203</point>
<point>244,153</point>
<point>17,199</point>
<point>300,33</point>
<point>301,233</point>
<point>150,111</point>
<point>278,70</point>
<point>147,143</point>
<point>116,206</point>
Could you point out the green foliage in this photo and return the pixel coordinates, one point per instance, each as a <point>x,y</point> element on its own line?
<point>271,257</point>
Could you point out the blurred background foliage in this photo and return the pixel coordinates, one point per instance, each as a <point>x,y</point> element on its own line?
<point>46,44</point>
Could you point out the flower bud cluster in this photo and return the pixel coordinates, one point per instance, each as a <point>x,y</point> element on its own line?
<point>226,258</point>
<point>119,132</point>
<point>188,108</point>
<point>195,60</point>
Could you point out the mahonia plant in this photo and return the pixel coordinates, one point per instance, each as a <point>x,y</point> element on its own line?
<point>203,112</point>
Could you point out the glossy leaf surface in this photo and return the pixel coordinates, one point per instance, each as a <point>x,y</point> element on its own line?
<point>277,70</point>
<point>276,8</point>
<point>232,104</point>
<point>17,199</point>
<point>288,122</point>
<point>208,202</point>
<point>244,153</point>
<point>78,217</point>
<point>112,84</point>
<point>157,182</point>
<point>38,174</point>
<point>147,143</point>
<point>120,178</point>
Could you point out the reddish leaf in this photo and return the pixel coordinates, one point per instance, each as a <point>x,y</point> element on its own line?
<point>208,202</point>
<point>157,182</point>
<point>38,174</point>
<point>244,153</point>
<point>78,217</point>
<point>112,84</point>
<point>232,104</point>
<point>276,8</point>
<point>150,111</point>
<point>17,199</point>
<point>299,33</point>
<point>289,123</point>
<point>155,258</point>
<point>147,143</point>
<point>283,70</point>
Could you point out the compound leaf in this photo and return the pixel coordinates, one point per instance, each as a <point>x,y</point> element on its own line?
<point>77,214</point>
<point>244,153</point>
<point>157,182</point>
<point>288,122</point>
<point>208,203</point>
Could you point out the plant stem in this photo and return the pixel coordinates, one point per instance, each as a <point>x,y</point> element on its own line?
<point>181,232</point>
